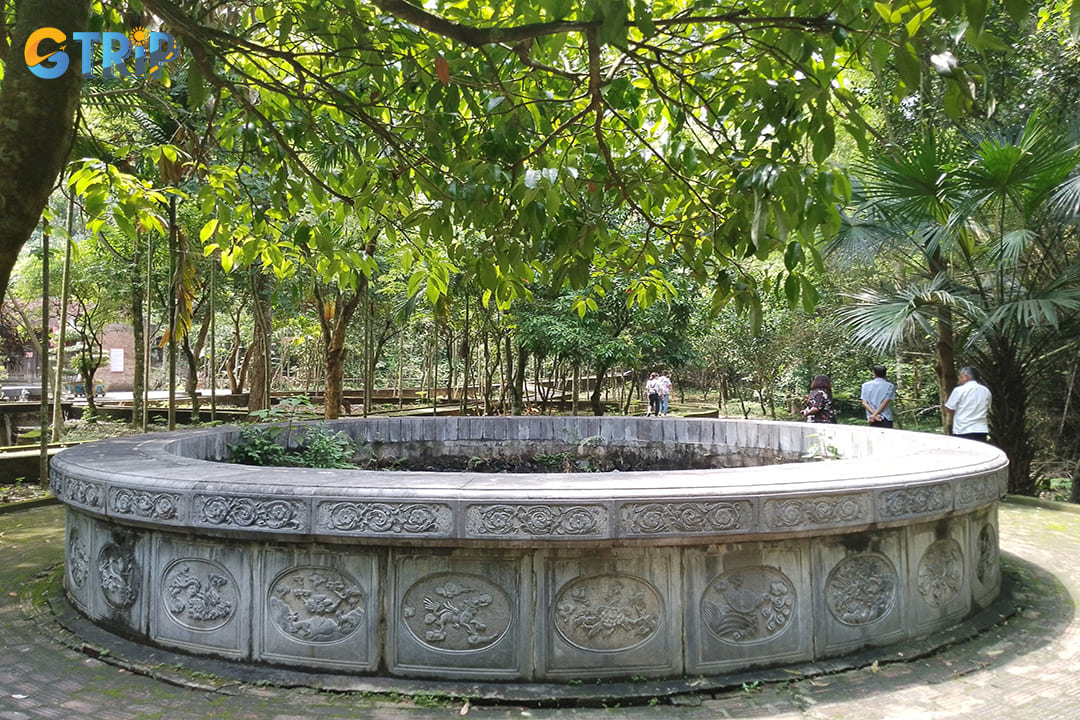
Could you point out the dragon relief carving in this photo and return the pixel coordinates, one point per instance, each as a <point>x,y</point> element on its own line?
<point>199,593</point>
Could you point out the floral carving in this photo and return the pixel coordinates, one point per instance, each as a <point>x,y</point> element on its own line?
<point>748,605</point>
<point>247,512</point>
<point>971,492</point>
<point>78,558</point>
<point>941,571</point>
<point>800,512</point>
<point>861,589</point>
<point>119,574</point>
<point>535,519</point>
<point>316,605</point>
<point>688,517</point>
<point>915,501</point>
<point>157,506</point>
<point>83,492</point>
<point>986,569</point>
<point>199,594</point>
<point>378,517</point>
<point>607,613</point>
<point>460,613</point>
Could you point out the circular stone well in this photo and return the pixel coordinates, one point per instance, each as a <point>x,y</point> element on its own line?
<point>758,558</point>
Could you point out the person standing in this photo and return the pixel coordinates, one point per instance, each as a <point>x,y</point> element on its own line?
<point>819,407</point>
<point>664,383</point>
<point>877,396</point>
<point>969,403</point>
<point>652,390</point>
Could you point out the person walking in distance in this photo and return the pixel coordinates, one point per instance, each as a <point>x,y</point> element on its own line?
<point>876,397</point>
<point>652,390</point>
<point>664,383</point>
<point>968,404</point>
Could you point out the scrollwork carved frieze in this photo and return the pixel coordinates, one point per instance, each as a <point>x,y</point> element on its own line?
<point>921,500</point>
<point>245,512</point>
<point>686,517</point>
<point>144,504</point>
<point>817,511</point>
<point>537,520</point>
<point>397,518</point>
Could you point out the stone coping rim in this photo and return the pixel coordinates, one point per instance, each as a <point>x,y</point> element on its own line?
<point>958,474</point>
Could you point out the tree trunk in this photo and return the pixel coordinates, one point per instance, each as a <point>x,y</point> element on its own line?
<point>1008,418</point>
<point>945,362</point>
<point>517,385</point>
<point>61,328</point>
<point>257,359</point>
<point>37,117</point>
<point>334,328</point>
<point>138,327</point>
<point>597,397</point>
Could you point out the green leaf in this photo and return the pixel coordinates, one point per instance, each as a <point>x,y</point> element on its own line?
<point>824,141</point>
<point>916,22</point>
<point>793,255</point>
<point>643,18</point>
<point>810,295</point>
<point>909,67</point>
<point>1018,10</point>
<point>791,290</point>
<point>1074,20</point>
<point>208,230</point>
<point>976,13</point>
<point>887,14</point>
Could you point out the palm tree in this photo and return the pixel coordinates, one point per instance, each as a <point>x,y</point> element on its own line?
<point>994,238</point>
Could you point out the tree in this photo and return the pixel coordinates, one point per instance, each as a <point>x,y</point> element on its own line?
<point>1005,218</point>
<point>526,122</point>
<point>37,118</point>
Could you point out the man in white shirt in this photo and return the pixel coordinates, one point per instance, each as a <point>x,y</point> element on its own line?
<point>969,402</point>
<point>877,396</point>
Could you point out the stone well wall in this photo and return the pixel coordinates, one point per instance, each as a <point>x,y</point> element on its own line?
<point>541,576</point>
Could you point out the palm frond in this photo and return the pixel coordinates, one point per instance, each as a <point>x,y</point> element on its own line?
<point>1065,199</point>
<point>1049,306</point>
<point>881,321</point>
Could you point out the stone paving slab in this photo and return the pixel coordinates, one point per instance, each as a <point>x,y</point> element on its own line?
<point>1026,667</point>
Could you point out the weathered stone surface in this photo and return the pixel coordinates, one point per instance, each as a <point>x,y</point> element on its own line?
<point>552,576</point>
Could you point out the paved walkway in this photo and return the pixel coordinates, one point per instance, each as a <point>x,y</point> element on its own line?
<point>1029,667</point>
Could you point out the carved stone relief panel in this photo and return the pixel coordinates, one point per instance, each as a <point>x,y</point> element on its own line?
<point>316,604</point>
<point>537,520</point>
<point>463,613</point>
<point>748,605</point>
<point>78,557</point>
<point>685,517</point>
<point>923,500</point>
<point>861,589</point>
<point>811,512</point>
<point>608,613</point>
<point>384,518</point>
<point>118,572</point>
<point>199,594</point>
<point>319,606</point>
<point>456,612</point>
<point>244,512</point>
<point>941,573</point>
<point>144,504</point>
<point>987,563</point>
<point>202,595</point>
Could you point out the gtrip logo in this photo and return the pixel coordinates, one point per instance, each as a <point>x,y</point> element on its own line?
<point>46,55</point>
